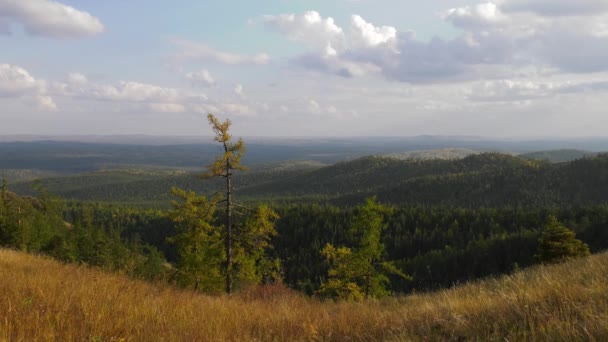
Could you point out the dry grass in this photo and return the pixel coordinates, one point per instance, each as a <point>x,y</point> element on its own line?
<point>42,300</point>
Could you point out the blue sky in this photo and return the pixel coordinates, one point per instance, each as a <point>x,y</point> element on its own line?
<point>503,68</point>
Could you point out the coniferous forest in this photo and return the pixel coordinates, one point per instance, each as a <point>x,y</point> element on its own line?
<point>431,224</point>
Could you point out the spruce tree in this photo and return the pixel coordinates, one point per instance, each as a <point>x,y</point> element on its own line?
<point>558,243</point>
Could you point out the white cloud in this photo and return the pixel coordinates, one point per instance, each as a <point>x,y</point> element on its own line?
<point>325,35</point>
<point>314,106</point>
<point>495,42</point>
<point>77,79</point>
<point>330,41</point>
<point>512,90</point>
<point>202,77</point>
<point>50,18</point>
<point>238,90</point>
<point>309,28</point>
<point>236,109</point>
<point>16,82</point>
<point>475,16</point>
<point>134,92</point>
<point>168,107</point>
<point>190,51</point>
<point>133,96</point>
<point>368,35</point>
<point>517,90</point>
<point>45,103</point>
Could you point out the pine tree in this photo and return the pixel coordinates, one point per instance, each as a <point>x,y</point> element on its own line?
<point>558,243</point>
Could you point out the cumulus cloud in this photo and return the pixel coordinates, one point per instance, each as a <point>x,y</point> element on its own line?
<point>474,16</point>
<point>16,82</point>
<point>156,98</point>
<point>49,18</point>
<point>331,42</point>
<point>133,95</point>
<point>368,49</point>
<point>190,51</point>
<point>325,35</point>
<point>133,92</point>
<point>368,35</point>
<point>202,77</point>
<point>309,28</point>
<point>497,37</point>
<point>77,78</point>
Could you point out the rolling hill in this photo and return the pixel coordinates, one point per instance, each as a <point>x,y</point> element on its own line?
<point>488,179</point>
<point>558,156</point>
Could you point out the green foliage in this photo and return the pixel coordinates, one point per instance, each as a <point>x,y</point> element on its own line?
<point>343,274</point>
<point>558,243</point>
<point>201,254</point>
<point>251,243</point>
<point>37,225</point>
<point>361,271</point>
<point>486,180</point>
<point>199,242</point>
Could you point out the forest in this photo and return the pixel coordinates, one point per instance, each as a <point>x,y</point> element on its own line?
<point>414,225</point>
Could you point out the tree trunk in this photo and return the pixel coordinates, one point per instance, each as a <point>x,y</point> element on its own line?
<point>228,232</point>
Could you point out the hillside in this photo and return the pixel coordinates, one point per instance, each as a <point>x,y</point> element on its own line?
<point>443,153</point>
<point>558,156</point>
<point>46,300</point>
<point>488,179</point>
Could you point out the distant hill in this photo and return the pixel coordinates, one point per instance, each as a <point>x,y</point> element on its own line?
<point>558,156</point>
<point>443,153</point>
<point>127,152</point>
<point>488,179</point>
<point>564,302</point>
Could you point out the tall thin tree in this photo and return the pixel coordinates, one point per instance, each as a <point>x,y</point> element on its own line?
<point>224,166</point>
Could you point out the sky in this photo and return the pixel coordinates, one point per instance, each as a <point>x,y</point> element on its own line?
<point>504,68</point>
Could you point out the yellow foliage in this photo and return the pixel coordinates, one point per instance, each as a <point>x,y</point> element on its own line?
<point>43,300</point>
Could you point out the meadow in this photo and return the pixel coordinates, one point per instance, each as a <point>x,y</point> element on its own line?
<point>45,300</point>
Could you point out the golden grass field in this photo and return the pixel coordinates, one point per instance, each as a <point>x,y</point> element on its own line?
<point>43,300</point>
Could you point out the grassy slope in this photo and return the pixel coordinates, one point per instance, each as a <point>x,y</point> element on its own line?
<point>45,300</point>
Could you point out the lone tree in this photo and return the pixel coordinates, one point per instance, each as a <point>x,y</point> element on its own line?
<point>558,243</point>
<point>224,166</point>
<point>201,232</point>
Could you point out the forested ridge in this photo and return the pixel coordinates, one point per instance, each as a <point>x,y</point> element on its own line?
<point>450,220</point>
<point>488,179</point>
